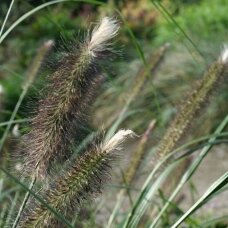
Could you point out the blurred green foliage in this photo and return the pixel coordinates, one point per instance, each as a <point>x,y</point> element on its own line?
<point>202,21</point>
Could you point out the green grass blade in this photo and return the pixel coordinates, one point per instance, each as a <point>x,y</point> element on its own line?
<point>29,13</point>
<point>4,194</point>
<point>165,12</point>
<point>133,38</point>
<point>146,197</point>
<point>215,221</point>
<point>11,210</point>
<point>10,122</point>
<point>3,214</point>
<point>13,122</point>
<point>23,204</point>
<point>191,170</point>
<point>217,185</point>
<point>145,187</point>
<point>18,182</point>
<point>6,18</point>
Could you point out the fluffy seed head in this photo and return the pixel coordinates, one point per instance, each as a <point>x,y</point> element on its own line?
<point>224,55</point>
<point>102,34</point>
<point>1,89</point>
<point>116,140</point>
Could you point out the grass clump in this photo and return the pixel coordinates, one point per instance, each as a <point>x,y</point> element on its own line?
<point>61,162</point>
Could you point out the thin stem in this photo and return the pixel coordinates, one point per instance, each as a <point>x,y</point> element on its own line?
<point>26,15</point>
<point>14,121</point>
<point>6,18</point>
<point>26,198</point>
<point>138,83</point>
<point>222,181</point>
<point>11,211</point>
<point>161,8</point>
<point>37,197</point>
<point>143,197</point>
<point>11,121</point>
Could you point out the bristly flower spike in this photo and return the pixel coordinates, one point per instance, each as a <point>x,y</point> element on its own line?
<point>83,180</point>
<point>217,72</point>
<point>61,116</point>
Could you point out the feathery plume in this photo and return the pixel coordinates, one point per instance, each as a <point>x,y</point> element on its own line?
<point>117,139</point>
<point>83,179</point>
<point>224,55</point>
<point>61,117</point>
<point>101,35</point>
<point>1,89</point>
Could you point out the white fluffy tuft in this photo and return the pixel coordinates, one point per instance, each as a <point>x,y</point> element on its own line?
<point>224,55</point>
<point>101,34</point>
<point>114,142</point>
<point>1,89</point>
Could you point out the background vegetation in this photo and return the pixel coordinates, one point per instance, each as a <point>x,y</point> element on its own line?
<point>164,47</point>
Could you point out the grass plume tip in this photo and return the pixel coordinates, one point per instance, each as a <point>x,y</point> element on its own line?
<point>117,140</point>
<point>101,36</point>
<point>224,55</point>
